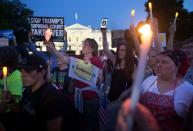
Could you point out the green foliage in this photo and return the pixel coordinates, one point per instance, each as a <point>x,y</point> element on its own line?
<point>164,11</point>
<point>14,15</point>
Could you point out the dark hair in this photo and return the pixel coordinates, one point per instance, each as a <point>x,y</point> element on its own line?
<point>34,62</point>
<point>179,58</point>
<point>93,44</point>
<point>129,59</point>
<point>8,57</point>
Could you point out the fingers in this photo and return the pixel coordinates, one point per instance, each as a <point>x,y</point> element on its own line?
<point>103,30</point>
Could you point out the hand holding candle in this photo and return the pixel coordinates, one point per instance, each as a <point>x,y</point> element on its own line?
<point>176,16</point>
<point>150,10</point>
<point>5,77</point>
<point>132,16</point>
<point>146,39</point>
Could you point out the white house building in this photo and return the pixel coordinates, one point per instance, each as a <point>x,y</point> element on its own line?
<point>77,33</point>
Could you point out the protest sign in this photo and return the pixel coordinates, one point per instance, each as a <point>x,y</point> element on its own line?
<point>82,71</point>
<point>40,24</point>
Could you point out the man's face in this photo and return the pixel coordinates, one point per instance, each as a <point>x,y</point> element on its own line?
<point>30,78</point>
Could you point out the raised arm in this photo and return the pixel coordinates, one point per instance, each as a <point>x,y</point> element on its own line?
<point>170,42</point>
<point>110,55</point>
<point>156,35</point>
<point>59,55</point>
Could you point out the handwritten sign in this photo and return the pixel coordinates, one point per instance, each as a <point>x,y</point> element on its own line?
<point>82,71</point>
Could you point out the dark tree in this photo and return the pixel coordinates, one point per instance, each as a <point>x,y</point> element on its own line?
<point>164,11</point>
<point>14,15</point>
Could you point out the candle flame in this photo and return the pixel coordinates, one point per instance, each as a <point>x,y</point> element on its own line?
<point>4,71</point>
<point>145,29</point>
<point>176,14</point>
<point>150,5</point>
<point>132,12</point>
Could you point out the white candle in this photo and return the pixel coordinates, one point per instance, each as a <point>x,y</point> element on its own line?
<point>150,10</point>
<point>146,39</point>
<point>5,77</point>
<point>176,16</point>
<point>132,16</point>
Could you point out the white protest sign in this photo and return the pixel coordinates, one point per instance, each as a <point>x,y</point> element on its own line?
<point>82,71</point>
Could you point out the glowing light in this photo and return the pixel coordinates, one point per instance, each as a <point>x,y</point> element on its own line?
<point>5,78</point>
<point>176,14</point>
<point>145,29</point>
<point>150,6</point>
<point>150,10</point>
<point>4,71</point>
<point>132,12</point>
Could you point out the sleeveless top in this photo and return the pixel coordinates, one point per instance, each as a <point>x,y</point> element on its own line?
<point>119,83</point>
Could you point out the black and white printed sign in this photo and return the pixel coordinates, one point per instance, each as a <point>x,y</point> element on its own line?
<point>40,24</point>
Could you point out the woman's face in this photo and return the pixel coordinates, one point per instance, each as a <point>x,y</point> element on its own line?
<point>86,49</point>
<point>122,52</point>
<point>165,67</point>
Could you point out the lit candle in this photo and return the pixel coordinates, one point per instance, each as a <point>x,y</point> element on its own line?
<point>132,16</point>
<point>5,77</point>
<point>150,10</point>
<point>146,39</point>
<point>176,16</point>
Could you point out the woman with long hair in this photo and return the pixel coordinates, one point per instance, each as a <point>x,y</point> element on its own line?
<point>123,67</point>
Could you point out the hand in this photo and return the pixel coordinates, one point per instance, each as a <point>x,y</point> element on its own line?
<point>141,115</point>
<point>104,30</point>
<point>122,124</point>
<point>48,34</point>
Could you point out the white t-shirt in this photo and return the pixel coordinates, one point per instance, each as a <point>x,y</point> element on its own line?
<point>182,98</point>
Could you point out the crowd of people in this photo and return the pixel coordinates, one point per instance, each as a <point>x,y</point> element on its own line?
<point>42,96</point>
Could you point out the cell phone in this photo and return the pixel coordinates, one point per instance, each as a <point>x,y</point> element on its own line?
<point>104,23</point>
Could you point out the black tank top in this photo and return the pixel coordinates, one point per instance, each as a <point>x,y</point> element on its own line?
<point>119,83</point>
